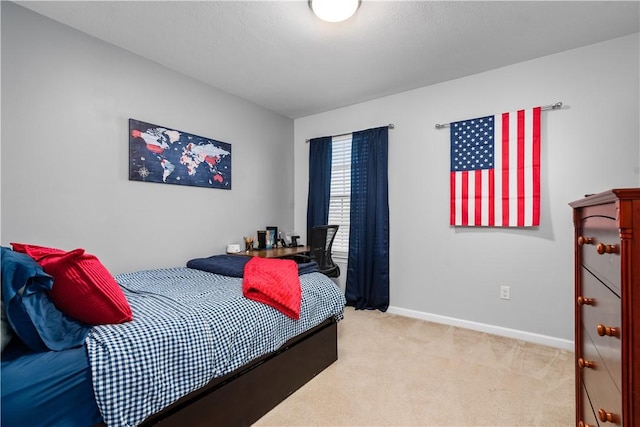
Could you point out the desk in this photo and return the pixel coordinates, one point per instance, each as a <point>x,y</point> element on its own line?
<point>277,252</point>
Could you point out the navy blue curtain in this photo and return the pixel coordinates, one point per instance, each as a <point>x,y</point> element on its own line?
<point>319,183</point>
<point>367,285</point>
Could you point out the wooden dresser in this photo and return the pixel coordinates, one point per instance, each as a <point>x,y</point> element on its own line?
<point>607,308</point>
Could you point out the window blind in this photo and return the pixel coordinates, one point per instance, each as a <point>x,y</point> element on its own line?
<point>340,195</point>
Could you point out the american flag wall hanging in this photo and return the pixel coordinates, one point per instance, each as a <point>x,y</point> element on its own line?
<point>495,170</point>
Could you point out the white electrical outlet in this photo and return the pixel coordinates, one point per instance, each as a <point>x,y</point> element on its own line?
<point>505,292</point>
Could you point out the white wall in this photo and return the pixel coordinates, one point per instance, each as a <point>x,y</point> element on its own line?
<point>67,97</point>
<point>66,101</point>
<point>452,274</point>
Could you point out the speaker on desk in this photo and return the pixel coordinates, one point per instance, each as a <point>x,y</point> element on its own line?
<point>262,239</point>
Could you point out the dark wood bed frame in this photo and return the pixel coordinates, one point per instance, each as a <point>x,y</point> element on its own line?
<point>243,396</point>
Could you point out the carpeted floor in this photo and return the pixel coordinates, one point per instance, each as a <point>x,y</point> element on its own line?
<point>397,371</point>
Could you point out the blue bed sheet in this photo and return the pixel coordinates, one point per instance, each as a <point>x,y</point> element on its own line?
<point>58,383</point>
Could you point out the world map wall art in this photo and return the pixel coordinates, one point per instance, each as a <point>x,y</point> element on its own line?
<point>169,156</point>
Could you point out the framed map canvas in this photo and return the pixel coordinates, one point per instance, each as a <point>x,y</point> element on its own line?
<point>169,156</point>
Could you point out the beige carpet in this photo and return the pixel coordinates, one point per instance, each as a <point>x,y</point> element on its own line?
<point>398,371</point>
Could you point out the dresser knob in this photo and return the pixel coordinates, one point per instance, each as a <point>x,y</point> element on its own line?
<point>608,331</point>
<point>583,424</point>
<point>607,249</point>
<point>607,416</point>
<point>586,301</point>
<point>586,240</point>
<point>583,363</point>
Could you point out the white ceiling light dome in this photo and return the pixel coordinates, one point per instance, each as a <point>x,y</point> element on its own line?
<point>334,10</point>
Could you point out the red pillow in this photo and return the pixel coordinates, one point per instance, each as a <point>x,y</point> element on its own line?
<point>34,251</point>
<point>83,288</point>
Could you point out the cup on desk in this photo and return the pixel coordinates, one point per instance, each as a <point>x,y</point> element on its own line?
<point>248,244</point>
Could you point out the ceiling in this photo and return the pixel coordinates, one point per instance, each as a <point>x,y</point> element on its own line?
<point>278,55</point>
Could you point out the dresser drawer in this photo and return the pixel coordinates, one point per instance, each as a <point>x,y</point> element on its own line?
<point>604,394</point>
<point>587,414</point>
<point>603,312</point>
<point>600,249</point>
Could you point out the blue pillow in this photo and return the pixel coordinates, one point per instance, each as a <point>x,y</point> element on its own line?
<point>31,314</point>
<point>6,331</point>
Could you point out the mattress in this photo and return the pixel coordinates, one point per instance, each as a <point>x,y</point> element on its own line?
<point>189,327</point>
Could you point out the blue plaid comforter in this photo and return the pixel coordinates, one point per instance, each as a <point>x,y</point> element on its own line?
<point>189,327</point>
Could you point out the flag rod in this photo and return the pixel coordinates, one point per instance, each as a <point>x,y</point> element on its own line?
<point>390,126</point>
<point>555,106</point>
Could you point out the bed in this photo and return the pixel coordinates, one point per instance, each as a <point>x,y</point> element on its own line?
<point>197,351</point>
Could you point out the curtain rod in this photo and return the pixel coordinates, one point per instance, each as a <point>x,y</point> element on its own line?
<point>390,126</point>
<point>555,106</point>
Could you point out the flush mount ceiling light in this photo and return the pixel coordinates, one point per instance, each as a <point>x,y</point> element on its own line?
<point>334,10</point>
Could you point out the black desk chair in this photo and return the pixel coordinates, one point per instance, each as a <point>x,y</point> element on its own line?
<point>321,241</point>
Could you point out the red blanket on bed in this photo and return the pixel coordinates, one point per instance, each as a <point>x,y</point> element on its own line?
<point>274,282</point>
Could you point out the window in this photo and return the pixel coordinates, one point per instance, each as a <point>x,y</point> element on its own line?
<point>340,198</point>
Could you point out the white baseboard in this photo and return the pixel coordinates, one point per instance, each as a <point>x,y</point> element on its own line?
<point>483,327</point>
